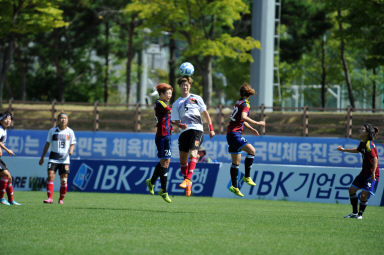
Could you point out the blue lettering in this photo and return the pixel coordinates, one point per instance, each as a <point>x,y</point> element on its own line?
<point>280,184</point>
<point>266,182</point>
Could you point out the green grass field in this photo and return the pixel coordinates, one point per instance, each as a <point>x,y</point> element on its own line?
<point>96,223</point>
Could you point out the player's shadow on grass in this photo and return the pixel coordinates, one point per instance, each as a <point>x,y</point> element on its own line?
<point>131,209</point>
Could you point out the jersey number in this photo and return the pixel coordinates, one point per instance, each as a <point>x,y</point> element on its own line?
<point>62,144</point>
<point>235,110</point>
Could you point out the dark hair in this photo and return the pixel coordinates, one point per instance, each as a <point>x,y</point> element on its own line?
<point>163,87</point>
<point>370,130</point>
<point>183,79</point>
<point>6,115</point>
<point>376,131</point>
<point>246,90</point>
<point>61,113</point>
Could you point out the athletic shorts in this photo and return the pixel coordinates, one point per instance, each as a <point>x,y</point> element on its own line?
<point>365,183</point>
<point>63,168</point>
<point>163,144</point>
<point>190,140</point>
<point>3,166</point>
<point>235,142</point>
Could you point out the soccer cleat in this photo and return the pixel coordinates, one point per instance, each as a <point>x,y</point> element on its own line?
<point>48,201</point>
<point>188,190</point>
<point>183,185</point>
<point>249,181</point>
<point>4,202</point>
<point>236,191</point>
<point>359,217</point>
<point>14,203</point>
<point>61,202</point>
<point>150,186</point>
<point>165,196</point>
<point>351,215</point>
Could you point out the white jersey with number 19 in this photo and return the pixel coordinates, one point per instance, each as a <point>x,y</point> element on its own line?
<point>60,142</point>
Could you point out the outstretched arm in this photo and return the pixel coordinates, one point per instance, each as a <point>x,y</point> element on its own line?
<point>354,150</point>
<point>254,131</point>
<point>179,124</point>
<point>208,119</point>
<point>10,152</point>
<point>244,116</point>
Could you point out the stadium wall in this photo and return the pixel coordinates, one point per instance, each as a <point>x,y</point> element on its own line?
<point>274,182</point>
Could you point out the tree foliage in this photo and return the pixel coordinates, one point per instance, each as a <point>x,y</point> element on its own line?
<point>205,27</point>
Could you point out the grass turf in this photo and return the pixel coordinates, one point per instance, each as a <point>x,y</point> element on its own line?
<point>97,223</point>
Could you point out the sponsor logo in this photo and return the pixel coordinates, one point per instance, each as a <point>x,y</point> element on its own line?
<point>82,178</point>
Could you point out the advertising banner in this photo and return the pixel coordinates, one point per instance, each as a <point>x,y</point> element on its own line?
<point>274,182</point>
<point>313,151</point>
<point>129,177</point>
<point>296,183</point>
<point>27,174</point>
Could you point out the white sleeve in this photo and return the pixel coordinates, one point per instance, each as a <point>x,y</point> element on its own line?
<point>201,104</point>
<point>175,111</point>
<point>49,137</point>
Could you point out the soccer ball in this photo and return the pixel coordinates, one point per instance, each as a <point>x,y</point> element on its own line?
<point>186,68</point>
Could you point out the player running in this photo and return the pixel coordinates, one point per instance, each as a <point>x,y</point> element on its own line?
<point>236,142</point>
<point>186,113</point>
<point>162,140</point>
<point>368,178</point>
<point>5,176</point>
<point>61,139</point>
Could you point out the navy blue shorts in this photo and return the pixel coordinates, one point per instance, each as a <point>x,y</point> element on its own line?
<point>235,142</point>
<point>365,183</point>
<point>163,144</point>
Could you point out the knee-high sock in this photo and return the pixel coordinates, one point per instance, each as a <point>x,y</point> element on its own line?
<point>50,189</point>
<point>184,170</point>
<point>156,173</point>
<point>354,200</point>
<point>3,186</point>
<point>191,167</point>
<point>63,191</point>
<point>10,191</point>
<point>363,205</point>
<point>234,173</point>
<point>248,164</point>
<point>163,178</point>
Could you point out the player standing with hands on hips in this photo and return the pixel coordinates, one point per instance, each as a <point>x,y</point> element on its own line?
<point>5,176</point>
<point>162,140</point>
<point>186,113</point>
<point>61,139</point>
<point>368,178</point>
<point>238,143</point>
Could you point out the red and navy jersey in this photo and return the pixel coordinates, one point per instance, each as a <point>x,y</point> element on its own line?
<point>236,124</point>
<point>369,152</point>
<point>163,118</point>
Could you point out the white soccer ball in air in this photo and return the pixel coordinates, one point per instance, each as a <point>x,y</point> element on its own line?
<point>186,68</point>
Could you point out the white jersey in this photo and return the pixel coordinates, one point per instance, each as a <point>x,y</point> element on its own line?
<point>3,135</point>
<point>188,110</point>
<point>60,142</point>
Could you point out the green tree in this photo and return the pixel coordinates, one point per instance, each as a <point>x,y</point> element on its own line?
<point>204,26</point>
<point>18,18</point>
